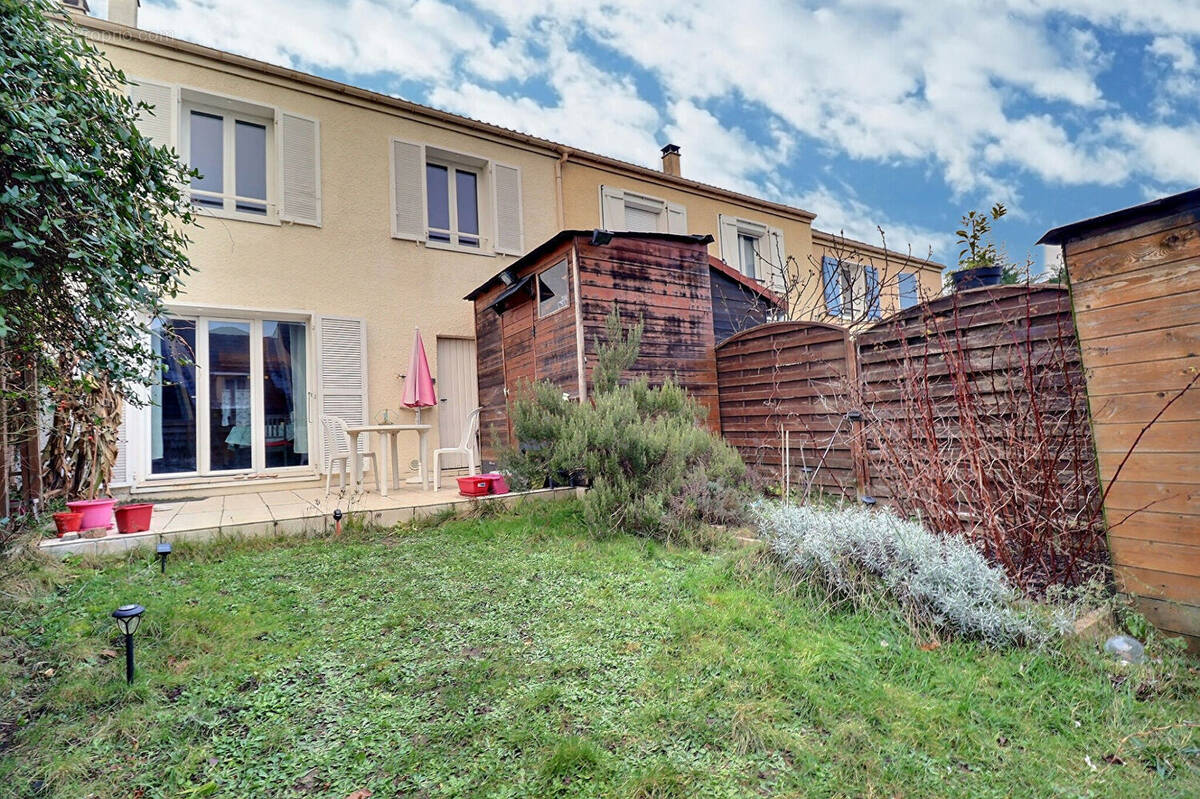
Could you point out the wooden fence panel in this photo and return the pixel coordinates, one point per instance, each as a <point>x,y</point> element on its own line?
<point>793,377</point>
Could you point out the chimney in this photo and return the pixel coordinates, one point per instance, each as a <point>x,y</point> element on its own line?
<point>76,6</point>
<point>123,12</point>
<point>671,159</point>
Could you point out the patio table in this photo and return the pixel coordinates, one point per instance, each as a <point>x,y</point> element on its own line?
<point>389,459</point>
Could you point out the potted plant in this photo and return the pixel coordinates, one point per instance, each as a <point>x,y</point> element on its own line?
<point>980,261</point>
<point>68,522</point>
<point>96,512</point>
<point>135,517</point>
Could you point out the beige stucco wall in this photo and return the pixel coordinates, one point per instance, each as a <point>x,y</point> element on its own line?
<point>888,263</point>
<point>581,203</point>
<point>350,266</point>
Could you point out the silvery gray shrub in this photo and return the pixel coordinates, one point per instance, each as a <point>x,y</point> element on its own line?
<point>946,581</point>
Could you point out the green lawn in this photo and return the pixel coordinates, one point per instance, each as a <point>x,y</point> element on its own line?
<point>515,656</point>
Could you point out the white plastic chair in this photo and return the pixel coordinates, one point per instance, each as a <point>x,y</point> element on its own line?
<point>337,449</point>
<point>465,447</point>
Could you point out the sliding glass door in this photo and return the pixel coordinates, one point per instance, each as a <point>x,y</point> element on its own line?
<point>232,397</point>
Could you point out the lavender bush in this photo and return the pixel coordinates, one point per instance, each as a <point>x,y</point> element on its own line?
<point>939,580</point>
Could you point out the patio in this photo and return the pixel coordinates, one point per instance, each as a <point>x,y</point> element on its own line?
<point>279,512</point>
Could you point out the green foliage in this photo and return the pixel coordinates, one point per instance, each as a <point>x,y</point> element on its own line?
<point>520,656</point>
<point>93,214</point>
<point>654,468</point>
<point>976,250</point>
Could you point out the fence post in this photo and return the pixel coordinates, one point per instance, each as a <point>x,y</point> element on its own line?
<point>858,455</point>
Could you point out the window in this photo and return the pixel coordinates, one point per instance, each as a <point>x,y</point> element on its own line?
<point>256,163</point>
<point>455,201</point>
<point>230,151</point>
<point>453,204</point>
<point>628,210</point>
<point>233,396</point>
<point>909,288</point>
<point>752,248</point>
<point>851,290</point>
<point>553,291</point>
<point>748,252</point>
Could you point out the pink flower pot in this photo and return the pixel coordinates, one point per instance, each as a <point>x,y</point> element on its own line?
<point>96,512</point>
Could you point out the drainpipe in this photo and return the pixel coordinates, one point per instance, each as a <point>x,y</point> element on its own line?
<point>563,155</point>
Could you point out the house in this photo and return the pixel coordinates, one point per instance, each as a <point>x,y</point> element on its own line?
<point>543,316</point>
<point>335,220</point>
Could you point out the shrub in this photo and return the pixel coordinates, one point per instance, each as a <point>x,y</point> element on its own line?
<point>938,580</point>
<point>654,468</point>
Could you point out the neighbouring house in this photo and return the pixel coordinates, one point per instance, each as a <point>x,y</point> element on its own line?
<point>542,317</point>
<point>335,220</point>
<point>1135,285</point>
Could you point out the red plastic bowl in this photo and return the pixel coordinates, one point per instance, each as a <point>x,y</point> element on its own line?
<point>474,486</point>
<point>134,518</point>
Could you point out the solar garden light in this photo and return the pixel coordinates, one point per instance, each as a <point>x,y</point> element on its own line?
<point>337,518</point>
<point>128,618</point>
<point>163,550</point>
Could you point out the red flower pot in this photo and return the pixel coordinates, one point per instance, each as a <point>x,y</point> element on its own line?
<point>134,518</point>
<point>68,522</point>
<point>96,512</point>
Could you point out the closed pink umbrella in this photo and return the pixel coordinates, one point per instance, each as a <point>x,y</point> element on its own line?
<point>418,384</point>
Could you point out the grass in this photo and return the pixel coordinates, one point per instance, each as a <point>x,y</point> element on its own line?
<point>516,656</point>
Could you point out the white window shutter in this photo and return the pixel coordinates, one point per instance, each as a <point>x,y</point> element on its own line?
<point>776,255</point>
<point>341,372</point>
<point>676,218</point>
<point>298,141</point>
<point>612,208</point>
<point>506,183</point>
<point>157,126</point>
<point>727,230</point>
<point>408,190</point>
<point>120,472</point>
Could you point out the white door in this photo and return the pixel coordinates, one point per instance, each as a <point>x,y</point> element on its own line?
<point>457,391</point>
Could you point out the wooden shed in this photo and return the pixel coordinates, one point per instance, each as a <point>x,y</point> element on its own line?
<point>541,318</point>
<point>1135,285</point>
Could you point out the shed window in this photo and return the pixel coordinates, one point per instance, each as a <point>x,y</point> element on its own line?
<point>553,291</point>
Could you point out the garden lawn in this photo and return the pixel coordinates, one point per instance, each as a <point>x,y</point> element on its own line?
<point>516,656</point>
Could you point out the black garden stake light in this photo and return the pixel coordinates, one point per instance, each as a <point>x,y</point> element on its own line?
<point>128,618</point>
<point>163,550</point>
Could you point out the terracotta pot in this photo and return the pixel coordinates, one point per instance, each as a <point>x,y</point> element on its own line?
<point>134,518</point>
<point>96,512</point>
<point>95,532</point>
<point>67,522</point>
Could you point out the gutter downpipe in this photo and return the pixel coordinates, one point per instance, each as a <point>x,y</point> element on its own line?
<point>560,205</point>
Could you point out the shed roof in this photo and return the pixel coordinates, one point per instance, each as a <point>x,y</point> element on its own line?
<point>561,236</point>
<point>1126,217</point>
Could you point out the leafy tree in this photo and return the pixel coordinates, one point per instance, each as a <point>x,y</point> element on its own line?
<point>94,216</point>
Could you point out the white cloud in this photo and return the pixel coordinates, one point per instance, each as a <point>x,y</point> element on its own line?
<point>840,212</point>
<point>1176,50</point>
<point>591,110</point>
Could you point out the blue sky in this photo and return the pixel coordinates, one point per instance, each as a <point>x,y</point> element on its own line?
<point>900,114</point>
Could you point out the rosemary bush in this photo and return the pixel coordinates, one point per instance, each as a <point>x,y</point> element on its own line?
<point>654,468</point>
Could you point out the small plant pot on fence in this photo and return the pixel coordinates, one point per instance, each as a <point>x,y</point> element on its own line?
<point>67,522</point>
<point>96,512</point>
<point>134,518</point>
<point>977,278</point>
